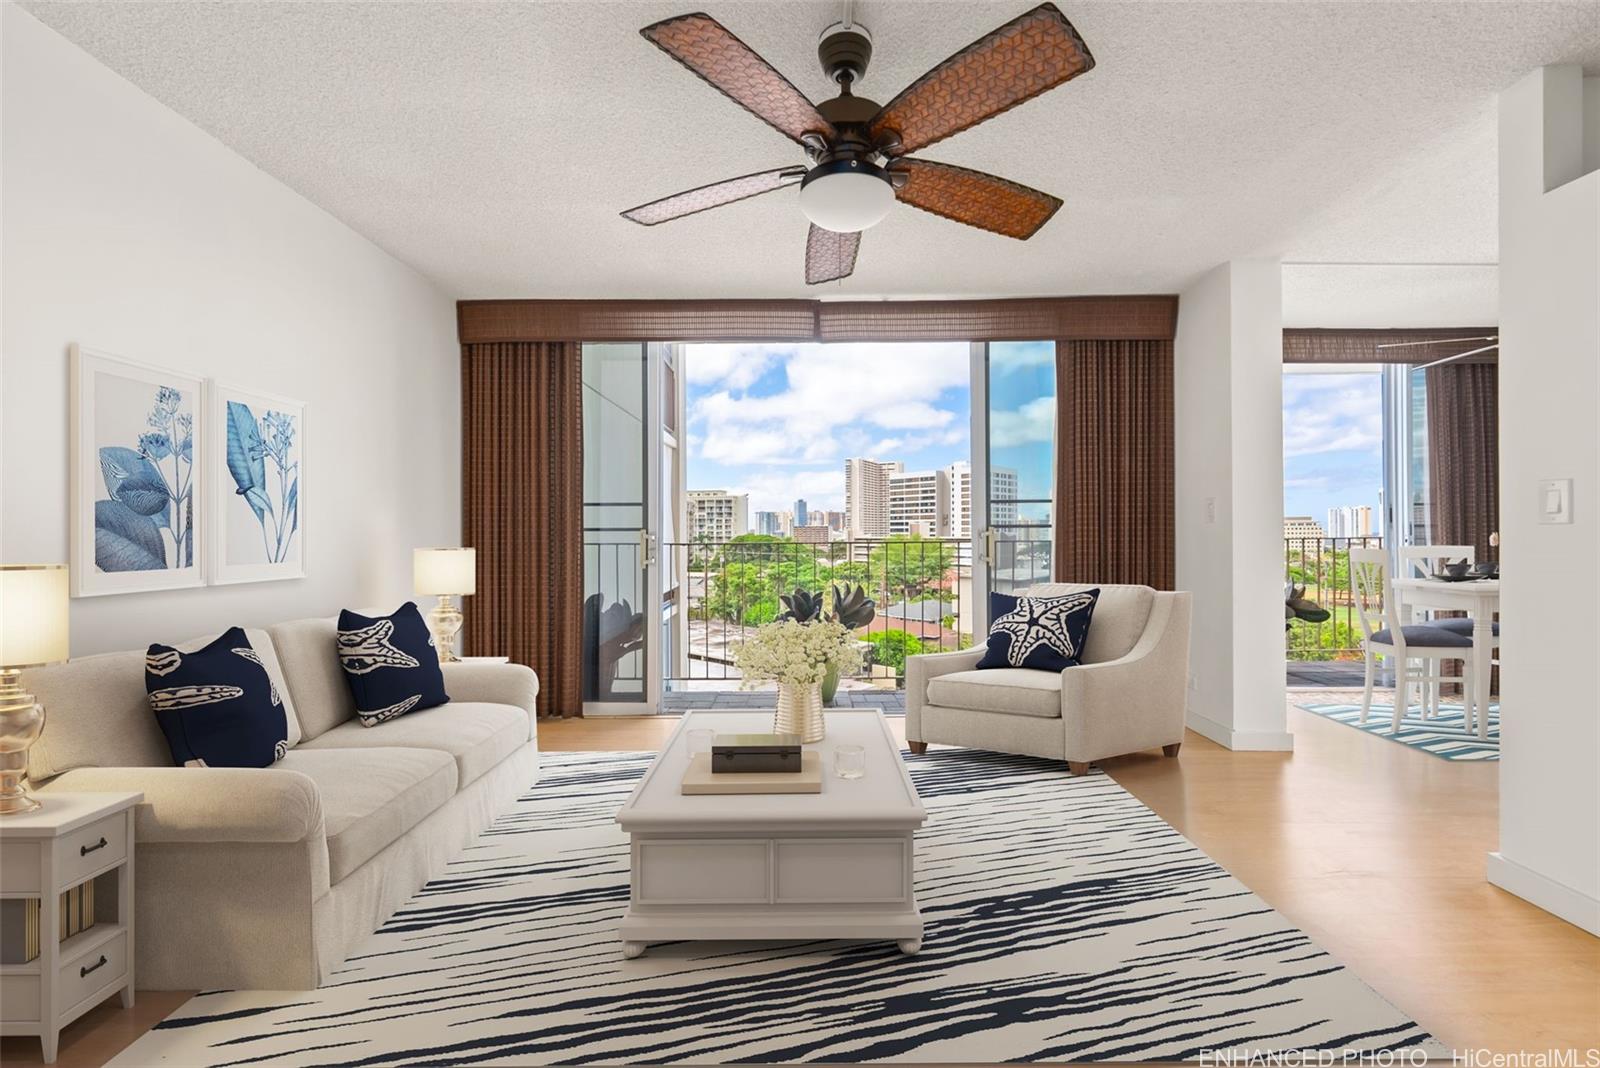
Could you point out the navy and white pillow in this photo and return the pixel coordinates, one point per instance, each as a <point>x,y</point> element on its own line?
<point>391,664</point>
<point>216,705</point>
<point>1046,633</point>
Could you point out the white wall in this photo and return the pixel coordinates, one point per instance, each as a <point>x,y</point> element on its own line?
<point>1228,356</point>
<point>127,229</point>
<point>1549,400</point>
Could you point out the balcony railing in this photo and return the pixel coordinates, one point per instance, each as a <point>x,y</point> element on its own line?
<point>1322,566</point>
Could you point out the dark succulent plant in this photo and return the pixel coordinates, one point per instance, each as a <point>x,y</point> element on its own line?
<point>802,606</point>
<point>852,607</point>
<point>1296,606</point>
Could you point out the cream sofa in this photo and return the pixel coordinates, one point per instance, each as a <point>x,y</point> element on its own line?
<point>1128,693</point>
<point>267,878</point>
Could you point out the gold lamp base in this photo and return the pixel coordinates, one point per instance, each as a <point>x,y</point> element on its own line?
<point>445,621</point>
<point>21,720</point>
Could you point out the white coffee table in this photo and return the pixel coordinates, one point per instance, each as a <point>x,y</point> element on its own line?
<point>775,866</point>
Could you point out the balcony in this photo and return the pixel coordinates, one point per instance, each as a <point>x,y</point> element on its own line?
<point>1326,653</point>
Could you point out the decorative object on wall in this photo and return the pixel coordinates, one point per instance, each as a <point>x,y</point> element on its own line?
<point>33,631</point>
<point>444,573</point>
<point>136,468</point>
<point>257,454</point>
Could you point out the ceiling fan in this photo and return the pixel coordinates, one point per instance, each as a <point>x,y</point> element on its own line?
<point>1493,339</point>
<point>857,149</point>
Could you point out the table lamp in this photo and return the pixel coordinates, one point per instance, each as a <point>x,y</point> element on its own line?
<point>445,573</point>
<point>33,632</point>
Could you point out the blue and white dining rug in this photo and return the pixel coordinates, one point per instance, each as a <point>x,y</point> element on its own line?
<point>1444,735</point>
<point>1065,921</point>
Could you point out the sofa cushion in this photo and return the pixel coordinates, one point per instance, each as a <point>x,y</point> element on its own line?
<point>1120,616</point>
<point>97,714</point>
<point>216,704</point>
<point>391,664</point>
<point>1014,691</point>
<point>309,653</point>
<point>370,797</point>
<point>1041,633</point>
<point>478,736</point>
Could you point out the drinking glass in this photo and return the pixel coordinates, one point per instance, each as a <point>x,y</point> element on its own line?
<point>699,740</point>
<point>849,762</point>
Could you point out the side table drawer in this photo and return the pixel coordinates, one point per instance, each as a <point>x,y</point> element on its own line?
<point>19,998</point>
<point>20,869</point>
<point>91,848</point>
<point>91,971</point>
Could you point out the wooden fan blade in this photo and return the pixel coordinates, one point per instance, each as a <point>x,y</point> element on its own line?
<point>1028,55</point>
<point>705,46</point>
<point>975,198</point>
<point>830,256</point>
<point>713,196</point>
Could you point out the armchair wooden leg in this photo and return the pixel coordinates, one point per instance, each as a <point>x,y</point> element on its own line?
<point>1171,750</point>
<point>1078,767</point>
<point>918,747</point>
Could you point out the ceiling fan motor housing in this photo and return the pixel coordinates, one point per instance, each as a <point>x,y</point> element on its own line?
<point>845,52</point>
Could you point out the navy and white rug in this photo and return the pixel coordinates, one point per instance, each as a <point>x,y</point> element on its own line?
<point>1065,921</point>
<point>1444,735</point>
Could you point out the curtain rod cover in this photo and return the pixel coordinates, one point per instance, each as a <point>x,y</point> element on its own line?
<point>1361,346</point>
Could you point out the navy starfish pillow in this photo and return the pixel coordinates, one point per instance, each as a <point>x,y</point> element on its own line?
<point>391,664</point>
<point>1044,633</point>
<point>217,705</point>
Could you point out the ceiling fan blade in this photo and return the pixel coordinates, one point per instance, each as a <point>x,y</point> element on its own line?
<point>830,256</point>
<point>1028,55</point>
<point>974,198</point>
<point>1435,341</point>
<point>705,46</point>
<point>714,195</point>
<point>1453,359</point>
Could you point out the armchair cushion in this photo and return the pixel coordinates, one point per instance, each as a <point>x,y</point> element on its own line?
<point>1013,691</point>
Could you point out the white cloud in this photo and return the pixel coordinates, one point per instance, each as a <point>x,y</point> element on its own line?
<point>733,366</point>
<point>1331,413</point>
<point>775,490</point>
<point>1034,422</point>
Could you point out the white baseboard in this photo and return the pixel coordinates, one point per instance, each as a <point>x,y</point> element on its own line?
<point>1240,741</point>
<point>1558,899</point>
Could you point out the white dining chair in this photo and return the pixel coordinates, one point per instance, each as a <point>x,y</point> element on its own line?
<point>1384,634</point>
<point>1425,561</point>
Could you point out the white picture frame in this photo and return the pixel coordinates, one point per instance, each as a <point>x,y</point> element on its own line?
<point>137,436</point>
<point>256,446</point>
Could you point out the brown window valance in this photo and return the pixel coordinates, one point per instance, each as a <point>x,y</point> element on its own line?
<point>1361,346</point>
<point>1021,319</point>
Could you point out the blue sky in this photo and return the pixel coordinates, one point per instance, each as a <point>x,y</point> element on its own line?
<point>778,421</point>
<point>1332,442</point>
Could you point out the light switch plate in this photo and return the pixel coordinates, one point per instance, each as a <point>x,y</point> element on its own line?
<point>1555,500</point>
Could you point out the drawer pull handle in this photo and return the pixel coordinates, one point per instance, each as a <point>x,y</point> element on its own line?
<point>84,851</point>
<point>97,965</point>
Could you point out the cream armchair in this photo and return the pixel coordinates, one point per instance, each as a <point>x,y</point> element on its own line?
<point>1128,694</point>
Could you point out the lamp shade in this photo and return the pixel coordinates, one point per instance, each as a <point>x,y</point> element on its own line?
<point>441,572</point>
<point>33,614</point>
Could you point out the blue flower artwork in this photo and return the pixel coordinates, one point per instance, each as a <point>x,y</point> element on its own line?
<point>146,520</point>
<point>265,467</point>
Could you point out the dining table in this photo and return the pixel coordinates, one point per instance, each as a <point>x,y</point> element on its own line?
<point>1480,599</point>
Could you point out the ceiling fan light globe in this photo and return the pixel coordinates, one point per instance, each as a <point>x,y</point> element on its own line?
<point>846,201</point>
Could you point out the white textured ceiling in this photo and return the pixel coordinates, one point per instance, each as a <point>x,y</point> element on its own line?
<point>491,145</point>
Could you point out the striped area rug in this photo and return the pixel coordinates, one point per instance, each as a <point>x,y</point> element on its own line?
<point>1065,921</point>
<point>1445,735</point>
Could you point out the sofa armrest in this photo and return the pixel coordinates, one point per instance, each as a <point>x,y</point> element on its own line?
<point>191,805</point>
<point>496,684</point>
<point>1138,700</point>
<point>925,666</point>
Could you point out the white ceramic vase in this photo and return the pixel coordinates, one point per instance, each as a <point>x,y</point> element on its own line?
<point>800,711</point>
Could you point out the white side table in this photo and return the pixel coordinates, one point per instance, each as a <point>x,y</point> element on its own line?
<point>70,839</point>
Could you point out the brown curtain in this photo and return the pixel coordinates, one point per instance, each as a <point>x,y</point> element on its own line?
<point>1114,462</point>
<point>522,509</point>
<point>1361,346</point>
<point>1464,454</point>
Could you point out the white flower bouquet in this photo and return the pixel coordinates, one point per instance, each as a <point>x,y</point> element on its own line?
<point>797,654</point>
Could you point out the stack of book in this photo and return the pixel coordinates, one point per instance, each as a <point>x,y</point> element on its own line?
<point>20,921</point>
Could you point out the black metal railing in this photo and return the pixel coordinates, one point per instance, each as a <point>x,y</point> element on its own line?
<point>1321,566</point>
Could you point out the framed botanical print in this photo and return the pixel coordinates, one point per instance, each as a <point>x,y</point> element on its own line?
<point>258,485</point>
<point>137,476</point>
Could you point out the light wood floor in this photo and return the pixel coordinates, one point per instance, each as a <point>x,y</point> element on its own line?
<point>1375,850</point>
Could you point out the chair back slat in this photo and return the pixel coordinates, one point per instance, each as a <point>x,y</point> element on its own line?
<point>1421,561</point>
<point>1371,594</point>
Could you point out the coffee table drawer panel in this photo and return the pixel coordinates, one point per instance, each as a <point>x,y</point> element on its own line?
<point>842,870</point>
<point>701,872</point>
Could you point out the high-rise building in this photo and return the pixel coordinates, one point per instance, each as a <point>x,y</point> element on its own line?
<point>836,522</point>
<point>811,534</point>
<point>1350,521</point>
<point>769,523</point>
<point>802,514</point>
<point>717,515</point>
<point>1297,527</point>
<point>959,479</point>
<point>866,496</point>
<point>1003,494</point>
<point>919,503</point>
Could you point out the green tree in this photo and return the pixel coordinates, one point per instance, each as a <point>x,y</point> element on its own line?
<point>910,567</point>
<point>891,647</point>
